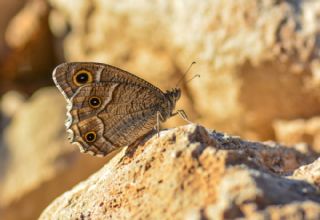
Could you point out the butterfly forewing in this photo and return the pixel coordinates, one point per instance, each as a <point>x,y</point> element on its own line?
<point>65,78</point>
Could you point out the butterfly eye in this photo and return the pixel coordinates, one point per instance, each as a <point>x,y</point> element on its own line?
<point>94,102</point>
<point>90,136</point>
<point>82,77</point>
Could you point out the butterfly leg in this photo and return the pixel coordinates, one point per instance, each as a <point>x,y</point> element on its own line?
<point>159,118</point>
<point>183,115</point>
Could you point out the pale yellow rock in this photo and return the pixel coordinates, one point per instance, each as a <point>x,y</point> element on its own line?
<point>309,173</point>
<point>189,173</point>
<point>307,131</point>
<point>11,102</point>
<point>27,48</point>
<point>11,8</point>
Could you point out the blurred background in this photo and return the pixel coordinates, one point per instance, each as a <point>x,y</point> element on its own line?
<point>258,60</point>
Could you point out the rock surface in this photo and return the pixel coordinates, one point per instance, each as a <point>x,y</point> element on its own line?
<point>27,49</point>
<point>258,60</point>
<point>36,162</point>
<point>302,131</point>
<point>193,173</point>
<point>309,173</point>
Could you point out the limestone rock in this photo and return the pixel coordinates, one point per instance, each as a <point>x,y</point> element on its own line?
<point>27,53</point>
<point>258,60</point>
<point>36,162</point>
<point>11,8</point>
<point>193,173</point>
<point>302,131</point>
<point>309,173</point>
<point>11,102</point>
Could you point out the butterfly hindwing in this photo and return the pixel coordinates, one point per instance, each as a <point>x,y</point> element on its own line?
<point>124,111</point>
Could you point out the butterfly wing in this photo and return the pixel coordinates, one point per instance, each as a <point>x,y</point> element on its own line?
<point>115,113</point>
<point>69,77</point>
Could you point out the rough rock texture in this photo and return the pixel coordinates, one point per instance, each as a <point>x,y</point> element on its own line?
<point>258,60</point>
<point>309,173</point>
<point>36,161</point>
<point>193,173</point>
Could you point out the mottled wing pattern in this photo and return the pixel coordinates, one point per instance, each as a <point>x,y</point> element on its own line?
<point>108,107</point>
<point>126,113</point>
<point>64,76</point>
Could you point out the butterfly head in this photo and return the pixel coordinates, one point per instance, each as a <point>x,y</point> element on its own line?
<point>173,96</point>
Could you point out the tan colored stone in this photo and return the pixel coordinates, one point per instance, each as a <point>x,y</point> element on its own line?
<point>309,173</point>
<point>188,173</point>
<point>11,103</point>
<point>8,10</point>
<point>37,162</point>
<point>291,132</point>
<point>27,53</point>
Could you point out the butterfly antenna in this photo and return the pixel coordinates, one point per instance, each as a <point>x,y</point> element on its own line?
<point>195,76</point>
<point>184,75</point>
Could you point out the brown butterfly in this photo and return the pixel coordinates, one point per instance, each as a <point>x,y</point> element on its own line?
<point>109,108</point>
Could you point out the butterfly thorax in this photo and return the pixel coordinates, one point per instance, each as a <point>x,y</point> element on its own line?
<point>172,97</point>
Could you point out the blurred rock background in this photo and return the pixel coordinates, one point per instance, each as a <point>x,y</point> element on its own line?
<point>258,60</point>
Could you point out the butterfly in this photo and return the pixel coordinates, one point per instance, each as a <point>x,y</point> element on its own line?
<point>109,108</point>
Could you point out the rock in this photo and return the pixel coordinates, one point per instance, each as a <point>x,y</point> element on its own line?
<point>27,49</point>
<point>37,162</point>
<point>302,131</point>
<point>9,9</point>
<point>191,172</point>
<point>11,102</point>
<point>258,60</point>
<point>295,211</point>
<point>309,173</point>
